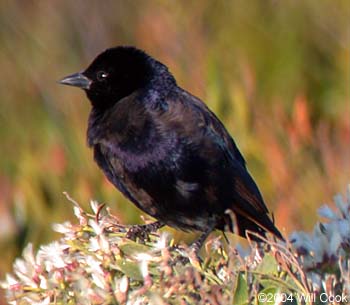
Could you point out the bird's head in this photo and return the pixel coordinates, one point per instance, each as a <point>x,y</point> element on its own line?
<point>114,74</point>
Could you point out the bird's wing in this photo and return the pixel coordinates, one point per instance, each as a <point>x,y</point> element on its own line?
<point>191,118</point>
<point>244,185</point>
<point>247,204</point>
<point>195,120</point>
<point>217,130</point>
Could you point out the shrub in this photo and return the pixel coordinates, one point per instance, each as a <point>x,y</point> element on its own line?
<point>95,263</point>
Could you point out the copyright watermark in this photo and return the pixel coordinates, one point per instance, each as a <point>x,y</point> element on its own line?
<point>280,298</point>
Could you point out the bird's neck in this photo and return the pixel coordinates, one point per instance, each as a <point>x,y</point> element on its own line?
<point>161,80</point>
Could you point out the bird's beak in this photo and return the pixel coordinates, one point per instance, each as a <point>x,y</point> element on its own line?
<point>77,80</point>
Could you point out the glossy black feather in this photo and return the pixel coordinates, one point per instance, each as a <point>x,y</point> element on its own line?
<point>165,150</point>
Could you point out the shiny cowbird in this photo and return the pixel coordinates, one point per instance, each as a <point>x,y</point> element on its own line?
<point>165,150</point>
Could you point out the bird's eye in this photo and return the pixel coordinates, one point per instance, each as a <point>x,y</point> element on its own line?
<point>102,75</point>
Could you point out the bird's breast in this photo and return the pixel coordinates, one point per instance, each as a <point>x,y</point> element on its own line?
<point>142,156</point>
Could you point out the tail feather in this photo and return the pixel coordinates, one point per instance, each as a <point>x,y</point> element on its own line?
<point>261,228</point>
<point>241,224</point>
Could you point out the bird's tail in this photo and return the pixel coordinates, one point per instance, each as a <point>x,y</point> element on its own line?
<point>243,225</point>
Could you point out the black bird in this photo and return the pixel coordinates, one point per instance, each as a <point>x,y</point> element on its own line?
<point>165,150</point>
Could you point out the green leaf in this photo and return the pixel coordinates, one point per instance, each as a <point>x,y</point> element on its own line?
<point>241,291</point>
<point>130,269</point>
<point>131,248</point>
<point>283,284</point>
<point>268,265</point>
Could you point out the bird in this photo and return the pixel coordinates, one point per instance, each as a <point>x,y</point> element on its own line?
<point>166,151</point>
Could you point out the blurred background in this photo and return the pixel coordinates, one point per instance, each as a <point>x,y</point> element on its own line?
<point>275,72</point>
